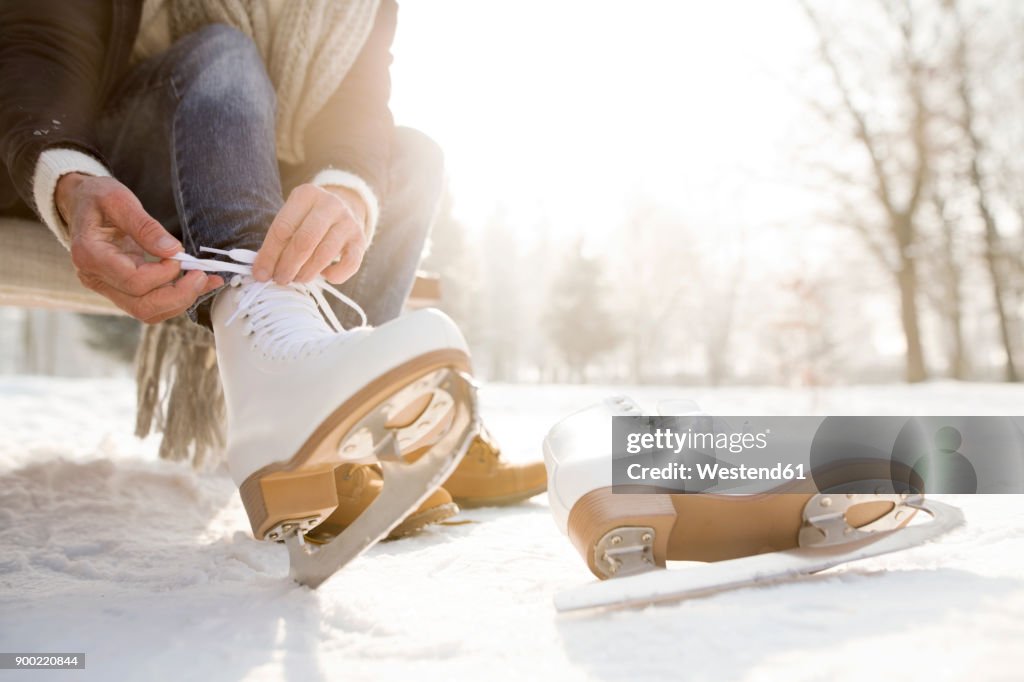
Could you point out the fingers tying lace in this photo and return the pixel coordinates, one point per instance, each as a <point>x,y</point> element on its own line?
<point>288,323</point>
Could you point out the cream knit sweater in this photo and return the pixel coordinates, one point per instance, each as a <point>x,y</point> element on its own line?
<point>308,47</point>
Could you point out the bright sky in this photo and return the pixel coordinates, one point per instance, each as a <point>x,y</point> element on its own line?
<point>562,112</point>
<point>565,110</point>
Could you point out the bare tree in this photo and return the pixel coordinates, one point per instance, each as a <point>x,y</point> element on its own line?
<point>501,330</point>
<point>720,318</point>
<point>652,274</point>
<point>948,297</point>
<point>897,186</point>
<point>577,319</point>
<point>977,148</point>
<point>804,344</point>
<point>40,340</point>
<point>453,256</point>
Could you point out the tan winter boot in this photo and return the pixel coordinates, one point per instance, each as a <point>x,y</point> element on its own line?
<point>482,479</point>
<point>358,485</point>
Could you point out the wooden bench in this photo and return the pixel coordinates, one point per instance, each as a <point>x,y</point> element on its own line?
<point>36,272</point>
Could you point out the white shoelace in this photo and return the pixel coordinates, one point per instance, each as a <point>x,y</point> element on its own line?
<point>288,320</point>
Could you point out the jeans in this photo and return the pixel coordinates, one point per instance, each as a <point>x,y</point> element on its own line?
<point>191,133</point>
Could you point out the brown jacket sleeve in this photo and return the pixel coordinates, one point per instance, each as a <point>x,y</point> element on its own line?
<point>54,67</point>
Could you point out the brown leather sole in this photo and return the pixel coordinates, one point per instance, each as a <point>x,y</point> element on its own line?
<point>501,500</point>
<point>416,522</point>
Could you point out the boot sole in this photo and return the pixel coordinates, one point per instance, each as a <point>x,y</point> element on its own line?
<point>412,524</point>
<point>302,489</point>
<point>700,526</point>
<point>499,501</point>
<point>416,522</point>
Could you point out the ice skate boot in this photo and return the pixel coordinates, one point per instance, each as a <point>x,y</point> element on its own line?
<point>305,396</point>
<point>483,479</point>
<point>751,537</point>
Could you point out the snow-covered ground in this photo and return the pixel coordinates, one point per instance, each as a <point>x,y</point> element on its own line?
<point>149,568</point>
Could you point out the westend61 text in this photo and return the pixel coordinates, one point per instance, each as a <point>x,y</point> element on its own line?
<point>715,472</point>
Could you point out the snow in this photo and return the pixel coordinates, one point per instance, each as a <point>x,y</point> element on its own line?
<point>149,568</point>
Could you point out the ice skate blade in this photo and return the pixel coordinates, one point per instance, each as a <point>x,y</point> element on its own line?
<point>406,486</point>
<point>685,583</point>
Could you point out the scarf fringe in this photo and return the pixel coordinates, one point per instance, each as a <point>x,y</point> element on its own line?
<point>179,392</point>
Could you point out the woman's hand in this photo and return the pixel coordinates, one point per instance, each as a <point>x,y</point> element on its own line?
<point>319,230</point>
<point>110,236</point>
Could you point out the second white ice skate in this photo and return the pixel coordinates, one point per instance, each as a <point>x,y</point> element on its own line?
<point>628,540</point>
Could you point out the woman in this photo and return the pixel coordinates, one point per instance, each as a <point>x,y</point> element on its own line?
<point>175,128</point>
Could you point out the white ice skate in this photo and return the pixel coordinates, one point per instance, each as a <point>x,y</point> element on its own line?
<point>305,395</point>
<point>626,539</point>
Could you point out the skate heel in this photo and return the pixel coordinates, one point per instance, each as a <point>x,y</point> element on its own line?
<point>622,534</point>
<point>283,501</point>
